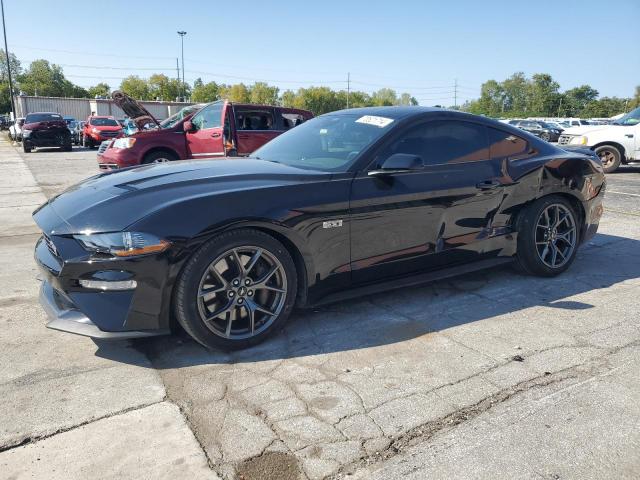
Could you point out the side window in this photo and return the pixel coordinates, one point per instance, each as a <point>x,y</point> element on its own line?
<point>506,145</point>
<point>442,142</point>
<point>209,117</point>
<point>290,120</point>
<point>253,119</point>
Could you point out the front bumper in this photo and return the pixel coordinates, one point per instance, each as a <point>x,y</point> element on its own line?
<point>113,158</point>
<point>139,312</point>
<point>65,318</point>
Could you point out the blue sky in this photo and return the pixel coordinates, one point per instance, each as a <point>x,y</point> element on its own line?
<point>416,46</point>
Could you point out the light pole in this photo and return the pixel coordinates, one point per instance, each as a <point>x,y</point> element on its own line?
<point>182,33</point>
<point>6,52</point>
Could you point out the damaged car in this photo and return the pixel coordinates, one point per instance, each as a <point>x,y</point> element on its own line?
<point>45,129</point>
<point>350,203</point>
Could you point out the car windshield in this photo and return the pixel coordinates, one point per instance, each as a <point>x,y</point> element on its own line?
<point>43,117</point>
<point>631,118</point>
<point>104,122</point>
<point>176,117</point>
<point>328,143</point>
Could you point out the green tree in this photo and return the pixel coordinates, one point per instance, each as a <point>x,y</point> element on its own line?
<point>384,97</point>
<point>407,99</point>
<point>43,78</point>
<point>164,88</point>
<point>635,101</point>
<point>544,98</point>
<point>605,107</point>
<point>16,69</point>
<point>318,100</point>
<point>514,95</point>
<point>99,90</point>
<point>136,87</point>
<point>236,93</point>
<point>490,101</point>
<point>205,92</point>
<point>288,98</point>
<point>263,94</point>
<point>574,101</point>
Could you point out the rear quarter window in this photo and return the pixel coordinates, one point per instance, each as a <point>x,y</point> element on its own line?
<point>507,145</point>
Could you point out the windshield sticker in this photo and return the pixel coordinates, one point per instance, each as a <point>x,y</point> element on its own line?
<point>379,122</point>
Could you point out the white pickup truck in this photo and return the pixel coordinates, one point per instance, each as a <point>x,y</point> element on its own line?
<point>615,144</point>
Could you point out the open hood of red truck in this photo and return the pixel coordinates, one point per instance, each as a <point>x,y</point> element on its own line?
<point>134,110</point>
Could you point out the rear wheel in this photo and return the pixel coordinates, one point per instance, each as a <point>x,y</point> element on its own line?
<point>545,136</point>
<point>610,157</point>
<point>87,142</point>
<point>159,157</point>
<point>548,234</point>
<point>236,290</point>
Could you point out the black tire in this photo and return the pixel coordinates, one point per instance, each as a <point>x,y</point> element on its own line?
<point>160,156</point>
<point>610,157</point>
<point>67,147</point>
<point>186,293</point>
<point>87,142</point>
<point>529,258</point>
<point>26,148</point>
<point>545,136</point>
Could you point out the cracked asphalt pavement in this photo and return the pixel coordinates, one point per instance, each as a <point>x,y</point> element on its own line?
<point>490,375</point>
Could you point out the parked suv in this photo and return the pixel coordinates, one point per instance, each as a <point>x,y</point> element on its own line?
<point>540,129</point>
<point>45,129</point>
<point>217,129</point>
<point>615,144</point>
<point>98,129</point>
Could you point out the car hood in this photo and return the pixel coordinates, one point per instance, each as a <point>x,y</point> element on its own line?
<point>133,109</point>
<point>112,201</point>
<point>50,125</point>
<point>583,130</point>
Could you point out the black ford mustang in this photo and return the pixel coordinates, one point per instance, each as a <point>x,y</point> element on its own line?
<point>349,203</point>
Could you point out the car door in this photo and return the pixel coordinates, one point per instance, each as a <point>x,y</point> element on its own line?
<point>427,218</point>
<point>206,139</point>
<point>255,126</point>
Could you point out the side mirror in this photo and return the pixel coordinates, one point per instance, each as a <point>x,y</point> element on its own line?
<point>189,127</point>
<point>398,163</point>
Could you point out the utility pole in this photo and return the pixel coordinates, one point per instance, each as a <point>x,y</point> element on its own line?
<point>6,52</point>
<point>178,69</point>
<point>559,107</point>
<point>182,33</point>
<point>348,87</point>
<point>455,94</point>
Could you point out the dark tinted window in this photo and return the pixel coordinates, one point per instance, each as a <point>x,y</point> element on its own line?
<point>43,117</point>
<point>443,142</point>
<point>506,145</point>
<point>254,119</point>
<point>104,122</point>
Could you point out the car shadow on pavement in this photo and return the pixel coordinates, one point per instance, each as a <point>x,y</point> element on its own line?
<point>401,315</point>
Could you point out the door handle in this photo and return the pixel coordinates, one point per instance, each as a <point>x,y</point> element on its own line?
<point>629,135</point>
<point>243,136</point>
<point>216,135</point>
<point>488,185</point>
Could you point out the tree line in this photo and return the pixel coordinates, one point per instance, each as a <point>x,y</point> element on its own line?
<point>540,96</point>
<point>517,96</point>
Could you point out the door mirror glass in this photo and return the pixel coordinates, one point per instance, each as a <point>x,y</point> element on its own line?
<point>189,127</point>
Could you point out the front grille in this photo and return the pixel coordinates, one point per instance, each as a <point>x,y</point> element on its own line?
<point>50,246</point>
<point>109,134</point>
<point>564,139</point>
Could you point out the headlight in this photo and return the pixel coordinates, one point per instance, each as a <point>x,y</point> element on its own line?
<point>26,133</point>
<point>123,244</point>
<point>126,142</point>
<point>95,130</point>
<point>578,140</point>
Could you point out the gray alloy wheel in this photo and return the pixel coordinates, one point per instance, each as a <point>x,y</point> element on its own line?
<point>556,235</point>
<point>545,136</point>
<point>242,292</point>
<point>610,158</point>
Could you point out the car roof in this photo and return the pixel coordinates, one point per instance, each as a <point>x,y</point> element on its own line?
<point>102,116</point>
<point>43,113</point>
<point>396,112</point>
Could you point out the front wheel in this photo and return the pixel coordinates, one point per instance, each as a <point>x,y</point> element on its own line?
<point>159,157</point>
<point>610,157</point>
<point>548,235</point>
<point>545,136</point>
<point>26,148</point>
<point>236,290</point>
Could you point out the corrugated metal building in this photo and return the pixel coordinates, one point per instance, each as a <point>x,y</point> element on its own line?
<point>81,108</point>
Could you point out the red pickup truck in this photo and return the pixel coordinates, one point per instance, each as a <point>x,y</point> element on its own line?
<point>98,129</point>
<point>216,129</point>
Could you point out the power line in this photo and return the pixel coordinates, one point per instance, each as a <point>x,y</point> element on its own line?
<point>92,54</point>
